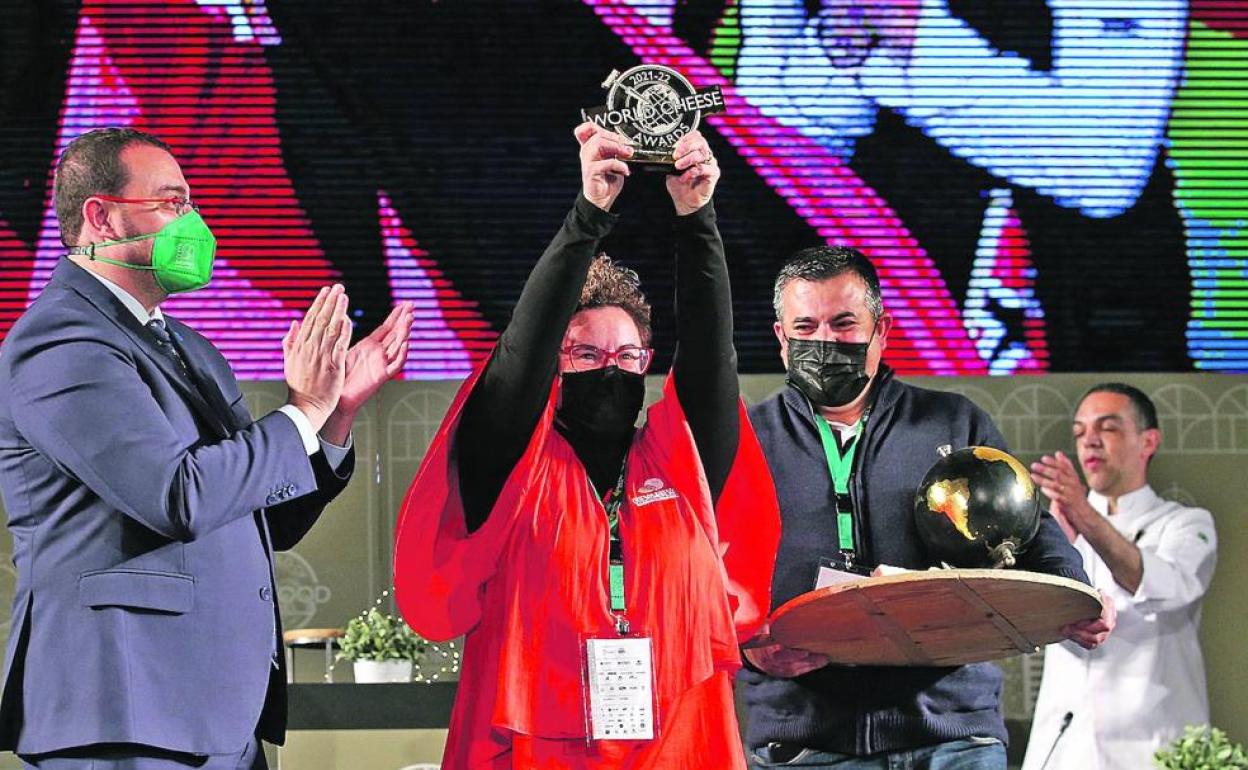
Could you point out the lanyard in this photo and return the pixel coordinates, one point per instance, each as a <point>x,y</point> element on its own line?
<point>615,566</point>
<point>840,465</point>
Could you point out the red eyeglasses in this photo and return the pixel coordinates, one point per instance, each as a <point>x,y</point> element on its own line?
<point>177,204</point>
<point>630,358</point>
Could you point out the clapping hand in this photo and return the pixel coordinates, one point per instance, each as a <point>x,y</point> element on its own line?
<point>315,355</point>
<point>376,359</point>
<point>1058,478</point>
<point>370,363</point>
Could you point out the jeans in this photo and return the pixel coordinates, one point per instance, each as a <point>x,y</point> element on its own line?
<point>965,754</point>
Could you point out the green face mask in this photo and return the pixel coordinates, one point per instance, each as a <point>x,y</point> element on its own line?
<point>182,254</point>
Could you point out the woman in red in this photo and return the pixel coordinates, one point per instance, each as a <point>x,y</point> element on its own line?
<point>544,525</point>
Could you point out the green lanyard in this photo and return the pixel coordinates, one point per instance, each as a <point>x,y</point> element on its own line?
<point>840,465</point>
<point>615,567</point>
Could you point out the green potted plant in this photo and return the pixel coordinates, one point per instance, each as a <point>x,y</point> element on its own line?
<point>1202,748</point>
<point>381,647</point>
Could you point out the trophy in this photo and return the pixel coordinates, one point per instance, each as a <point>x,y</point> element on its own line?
<point>653,106</point>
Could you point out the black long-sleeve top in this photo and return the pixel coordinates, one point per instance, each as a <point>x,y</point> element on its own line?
<point>502,412</point>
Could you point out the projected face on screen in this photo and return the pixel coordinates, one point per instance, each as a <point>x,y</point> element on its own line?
<point>1070,107</point>
<point>1043,185</point>
<point>1085,133</point>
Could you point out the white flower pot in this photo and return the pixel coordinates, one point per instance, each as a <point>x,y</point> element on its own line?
<point>382,671</point>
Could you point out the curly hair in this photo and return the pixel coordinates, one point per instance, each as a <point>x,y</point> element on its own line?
<point>610,284</point>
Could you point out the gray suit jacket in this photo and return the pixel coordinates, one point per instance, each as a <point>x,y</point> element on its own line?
<point>145,505</point>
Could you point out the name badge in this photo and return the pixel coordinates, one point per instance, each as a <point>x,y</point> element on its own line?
<point>620,678</point>
<point>835,570</point>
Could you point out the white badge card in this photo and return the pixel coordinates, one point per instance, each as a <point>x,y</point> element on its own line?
<point>832,572</point>
<point>620,688</point>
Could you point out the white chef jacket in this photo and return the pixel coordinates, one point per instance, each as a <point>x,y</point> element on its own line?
<point>1134,694</point>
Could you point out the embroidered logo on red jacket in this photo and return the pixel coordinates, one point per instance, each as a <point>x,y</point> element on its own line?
<point>652,491</point>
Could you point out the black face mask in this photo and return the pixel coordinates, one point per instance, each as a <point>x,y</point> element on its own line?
<point>602,402</point>
<point>830,374</point>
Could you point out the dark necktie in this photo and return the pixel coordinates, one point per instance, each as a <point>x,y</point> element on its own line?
<point>208,391</point>
<point>164,342</point>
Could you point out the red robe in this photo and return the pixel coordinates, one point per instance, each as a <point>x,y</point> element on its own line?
<point>532,582</point>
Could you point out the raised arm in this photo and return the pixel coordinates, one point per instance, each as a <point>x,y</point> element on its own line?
<point>705,364</point>
<point>501,413</point>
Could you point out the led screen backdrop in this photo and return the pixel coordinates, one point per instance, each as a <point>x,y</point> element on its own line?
<point>1045,185</point>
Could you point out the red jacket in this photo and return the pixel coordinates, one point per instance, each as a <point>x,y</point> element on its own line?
<point>530,584</point>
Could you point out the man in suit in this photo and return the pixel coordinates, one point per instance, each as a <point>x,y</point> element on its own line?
<point>144,501</point>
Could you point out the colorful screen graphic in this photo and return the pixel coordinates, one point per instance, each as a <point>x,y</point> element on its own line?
<point>1044,185</point>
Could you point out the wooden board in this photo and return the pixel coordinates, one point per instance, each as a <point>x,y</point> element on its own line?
<point>935,618</point>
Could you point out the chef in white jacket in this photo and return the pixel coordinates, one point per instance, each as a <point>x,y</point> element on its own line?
<point>1111,708</point>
